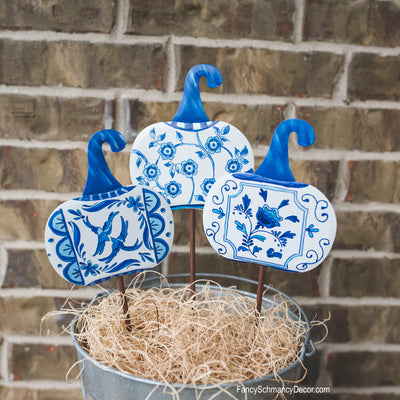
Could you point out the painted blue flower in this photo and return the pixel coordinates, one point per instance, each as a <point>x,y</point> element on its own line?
<point>151,172</point>
<point>233,165</point>
<point>89,268</point>
<point>135,204</point>
<point>268,217</point>
<point>167,151</point>
<point>189,168</point>
<point>207,184</point>
<point>173,188</point>
<point>213,145</point>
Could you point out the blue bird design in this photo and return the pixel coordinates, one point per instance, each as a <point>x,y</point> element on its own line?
<point>118,243</point>
<point>101,232</point>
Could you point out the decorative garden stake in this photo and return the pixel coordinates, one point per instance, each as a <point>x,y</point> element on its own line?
<point>110,231</point>
<point>267,217</point>
<point>184,157</point>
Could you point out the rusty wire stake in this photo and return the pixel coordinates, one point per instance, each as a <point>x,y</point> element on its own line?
<point>121,286</point>
<point>192,259</point>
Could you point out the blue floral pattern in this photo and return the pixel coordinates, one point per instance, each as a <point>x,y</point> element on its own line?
<point>213,145</point>
<point>284,227</point>
<point>151,172</point>
<point>182,161</point>
<point>173,189</point>
<point>233,166</point>
<point>207,185</point>
<point>96,237</point>
<point>189,168</point>
<point>167,151</point>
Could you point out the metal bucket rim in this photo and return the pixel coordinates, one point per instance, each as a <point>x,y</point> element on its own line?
<point>178,386</point>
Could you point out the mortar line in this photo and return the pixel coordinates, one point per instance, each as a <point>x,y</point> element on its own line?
<point>4,350</point>
<point>26,293</point>
<point>36,195</point>
<point>159,96</point>
<point>333,155</point>
<point>349,301</point>
<point>108,117</point>
<point>368,390</point>
<point>121,20</point>
<point>23,244</point>
<point>342,181</point>
<point>44,144</point>
<point>360,347</point>
<point>171,74</point>
<point>128,132</point>
<point>56,340</point>
<point>48,144</point>
<point>116,37</point>
<point>340,89</point>
<point>290,112</point>
<point>324,378</point>
<point>350,254</point>
<point>119,123</point>
<point>325,278</point>
<point>298,22</point>
<point>299,47</point>
<point>367,207</point>
<point>165,266</point>
<point>180,249</point>
<point>258,150</point>
<point>3,264</point>
<point>42,384</point>
<point>303,46</point>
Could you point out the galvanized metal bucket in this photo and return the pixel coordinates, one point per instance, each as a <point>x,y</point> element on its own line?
<point>103,383</point>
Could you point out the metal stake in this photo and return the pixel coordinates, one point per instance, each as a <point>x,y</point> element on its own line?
<point>121,287</point>
<point>260,286</point>
<point>192,259</point>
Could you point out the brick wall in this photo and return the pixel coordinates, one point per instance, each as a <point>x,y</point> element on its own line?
<point>70,68</point>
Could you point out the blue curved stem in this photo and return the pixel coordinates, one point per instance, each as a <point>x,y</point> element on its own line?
<point>99,178</point>
<point>276,163</point>
<point>191,108</point>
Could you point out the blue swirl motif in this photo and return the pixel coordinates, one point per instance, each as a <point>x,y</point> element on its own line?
<point>226,187</point>
<point>212,233</point>
<point>319,207</point>
<point>150,250</point>
<point>64,248</point>
<point>149,170</point>
<point>313,255</point>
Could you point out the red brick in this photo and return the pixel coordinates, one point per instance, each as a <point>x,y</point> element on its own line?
<point>39,361</point>
<point>365,22</point>
<point>64,16</point>
<point>348,128</point>
<point>374,77</point>
<point>360,277</point>
<point>82,64</point>
<point>51,118</point>
<point>364,369</point>
<point>254,19</point>
<point>260,71</point>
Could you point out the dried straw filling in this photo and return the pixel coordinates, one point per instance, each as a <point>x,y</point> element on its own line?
<point>214,338</point>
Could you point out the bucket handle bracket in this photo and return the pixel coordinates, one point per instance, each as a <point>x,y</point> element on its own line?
<point>310,349</point>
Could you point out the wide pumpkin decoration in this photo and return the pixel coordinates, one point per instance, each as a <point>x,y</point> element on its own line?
<point>184,157</point>
<point>267,217</point>
<point>111,230</point>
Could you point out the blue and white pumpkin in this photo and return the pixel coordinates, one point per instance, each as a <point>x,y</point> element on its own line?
<point>111,230</point>
<point>267,217</point>
<point>183,158</point>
